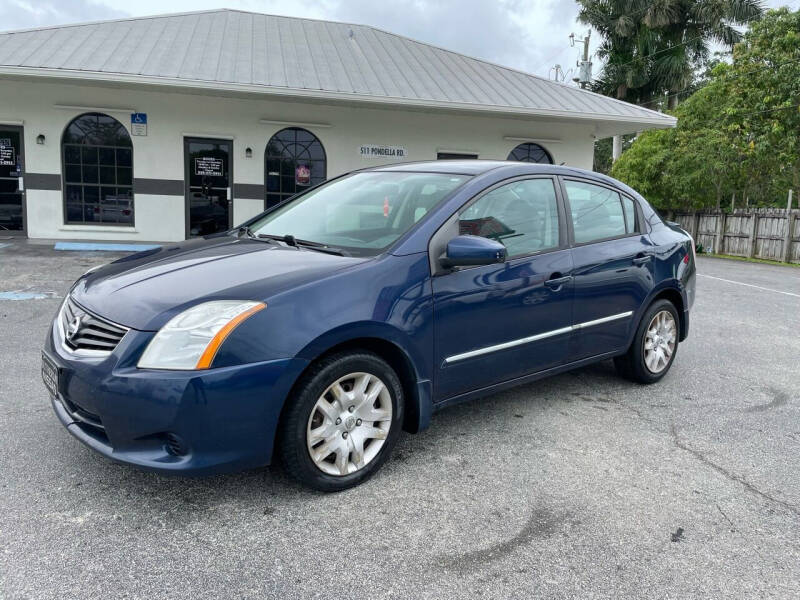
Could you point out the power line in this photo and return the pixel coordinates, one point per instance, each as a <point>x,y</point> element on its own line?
<point>646,56</point>
<point>756,112</point>
<point>735,76</point>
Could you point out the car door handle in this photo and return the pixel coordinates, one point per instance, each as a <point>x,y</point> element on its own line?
<point>555,283</point>
<point>640,260</point>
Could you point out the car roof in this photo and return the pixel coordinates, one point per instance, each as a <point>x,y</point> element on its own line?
<point>479,167</point>
<point>503,168</point>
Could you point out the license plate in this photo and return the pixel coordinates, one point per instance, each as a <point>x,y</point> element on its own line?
<point>50,375</point>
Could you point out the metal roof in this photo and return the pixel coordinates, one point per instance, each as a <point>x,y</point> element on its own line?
<point>253,52</point>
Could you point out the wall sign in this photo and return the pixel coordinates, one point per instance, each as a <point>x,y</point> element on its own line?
<point>7,155</point>
<point>139,124</point>
<point>302,175</point>
<point>379,151</point>
<point>208,166</point>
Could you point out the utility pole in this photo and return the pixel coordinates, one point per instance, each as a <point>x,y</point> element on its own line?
<point>557,73</point>
<point>584,65</point>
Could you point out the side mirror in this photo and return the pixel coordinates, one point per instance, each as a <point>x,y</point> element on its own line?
<point>471,251</point>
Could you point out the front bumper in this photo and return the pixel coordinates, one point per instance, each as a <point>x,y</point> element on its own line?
<point>190,422</point>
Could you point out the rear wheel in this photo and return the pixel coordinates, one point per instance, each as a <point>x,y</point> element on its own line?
<point>654,346</point>
<point>342,422</point>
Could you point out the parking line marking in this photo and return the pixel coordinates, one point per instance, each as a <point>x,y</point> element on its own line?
<point>110,247</point>
<point>26,295</point>
<point>758,287</point>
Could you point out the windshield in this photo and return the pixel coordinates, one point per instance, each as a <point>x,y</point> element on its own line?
<point>362,214</point>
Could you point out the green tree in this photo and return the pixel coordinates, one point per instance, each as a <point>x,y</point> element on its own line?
<point>739,134</point>
<point>763,98</point>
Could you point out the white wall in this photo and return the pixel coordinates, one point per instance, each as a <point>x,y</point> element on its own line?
<point>171,116</point>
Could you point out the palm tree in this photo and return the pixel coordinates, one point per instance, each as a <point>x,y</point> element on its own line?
<point>626,42</point>
<point>686,29</point>
<point>654,47</point>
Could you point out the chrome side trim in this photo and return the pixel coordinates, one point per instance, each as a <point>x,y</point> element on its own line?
<point>603,320</point>
<point>505,345</point>
<point>534,338</point>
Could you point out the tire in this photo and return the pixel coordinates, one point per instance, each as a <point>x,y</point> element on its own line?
<point>642,365</point>
<point>351,449</point>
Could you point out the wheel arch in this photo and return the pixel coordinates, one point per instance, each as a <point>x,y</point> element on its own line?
<point>417,391</point>
<point>674,295</point>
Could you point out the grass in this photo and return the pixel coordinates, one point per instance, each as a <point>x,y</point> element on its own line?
<point>752,260</point>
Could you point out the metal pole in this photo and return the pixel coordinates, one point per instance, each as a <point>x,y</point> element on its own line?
<point>586,55</point>
<point>616,149</point>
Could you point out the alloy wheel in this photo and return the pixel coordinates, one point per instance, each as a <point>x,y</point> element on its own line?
<point>659,341</point>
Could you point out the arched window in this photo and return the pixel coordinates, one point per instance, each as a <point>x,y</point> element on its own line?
<point>294,161</point>
<point>97,157</point>
<point>530,152</point>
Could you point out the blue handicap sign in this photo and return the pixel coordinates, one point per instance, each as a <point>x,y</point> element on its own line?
<point>139,118</point>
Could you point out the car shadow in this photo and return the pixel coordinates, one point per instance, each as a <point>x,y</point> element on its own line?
<point>178,499</point>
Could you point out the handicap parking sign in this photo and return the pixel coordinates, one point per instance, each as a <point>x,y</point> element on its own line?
<point>139,123</point>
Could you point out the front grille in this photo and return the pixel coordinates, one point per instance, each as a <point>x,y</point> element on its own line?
<point>84,331</point>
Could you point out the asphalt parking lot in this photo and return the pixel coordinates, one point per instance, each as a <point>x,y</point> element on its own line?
<point>580,486</point>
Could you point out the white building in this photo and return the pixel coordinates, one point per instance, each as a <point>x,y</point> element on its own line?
<point>158,128</point>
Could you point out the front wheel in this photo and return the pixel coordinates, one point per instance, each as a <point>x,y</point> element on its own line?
<point>342,422</point>
<point>654,346</point>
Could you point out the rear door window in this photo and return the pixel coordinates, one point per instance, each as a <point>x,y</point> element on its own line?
<point>597,212</point>
<point>629,208</point>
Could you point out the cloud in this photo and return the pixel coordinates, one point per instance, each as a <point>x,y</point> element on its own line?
<point>18,14</point>
<point>523,34</point>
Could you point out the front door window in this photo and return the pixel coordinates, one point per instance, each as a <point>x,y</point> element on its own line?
<point>11,180</point>
<point>208,189</point>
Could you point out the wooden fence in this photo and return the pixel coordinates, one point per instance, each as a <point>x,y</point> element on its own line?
<point>772,234</point>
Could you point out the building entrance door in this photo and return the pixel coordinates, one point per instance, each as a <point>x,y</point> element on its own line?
<point>208,183</point>
<point>12,187</point>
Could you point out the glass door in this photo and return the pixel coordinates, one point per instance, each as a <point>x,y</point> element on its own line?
<point>209,177</point>
<point>12,188</point>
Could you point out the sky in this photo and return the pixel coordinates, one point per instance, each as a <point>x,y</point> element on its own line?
<point>530,35</point>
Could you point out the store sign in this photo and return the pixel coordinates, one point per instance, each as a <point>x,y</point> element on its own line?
<point>302,175</point>
<point>7,154</point>
<point>378,151</point>
<point>139,124</point>
<point>208,166</point>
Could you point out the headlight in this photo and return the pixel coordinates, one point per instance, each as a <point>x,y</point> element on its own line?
<point>191,339</point>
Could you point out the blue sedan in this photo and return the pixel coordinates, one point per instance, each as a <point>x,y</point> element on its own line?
<point>326,325</point>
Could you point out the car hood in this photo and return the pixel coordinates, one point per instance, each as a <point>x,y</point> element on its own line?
<point>144,290</point>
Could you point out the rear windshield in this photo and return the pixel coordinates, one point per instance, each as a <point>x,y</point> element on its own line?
<point>362,214</point>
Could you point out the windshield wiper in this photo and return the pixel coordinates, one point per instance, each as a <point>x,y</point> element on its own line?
<point>245,230</point>
<point>290,240</point>
<point>286,239</point>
